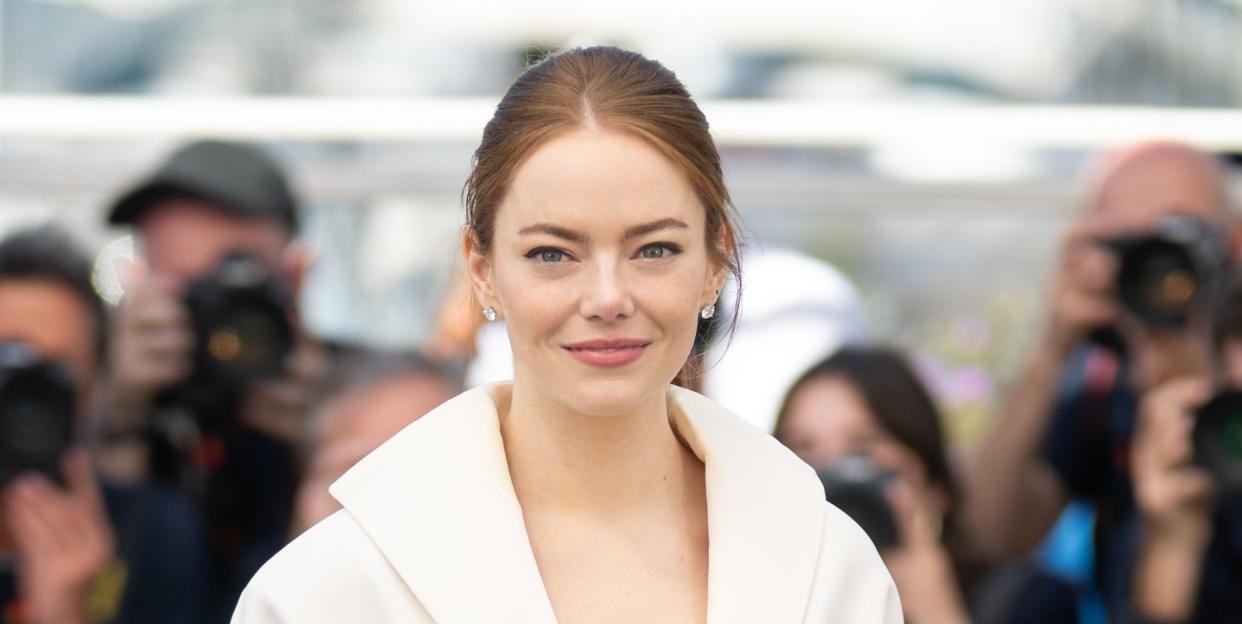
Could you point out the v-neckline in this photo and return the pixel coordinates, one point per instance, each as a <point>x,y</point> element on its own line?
<point>438,501</point>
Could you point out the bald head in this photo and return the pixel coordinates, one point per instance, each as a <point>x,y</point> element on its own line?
<point>1140,184</point>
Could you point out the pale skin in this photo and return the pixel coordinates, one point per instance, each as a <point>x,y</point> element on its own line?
<point>1014,495</point>
<point>826,420</point>
<point>600,236</point>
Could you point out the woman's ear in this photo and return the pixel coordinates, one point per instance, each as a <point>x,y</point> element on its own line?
<point>713,286</point>
<point>479,268</point>
<point>719,271</point>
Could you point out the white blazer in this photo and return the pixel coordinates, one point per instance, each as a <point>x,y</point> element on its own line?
<point>431,532</point>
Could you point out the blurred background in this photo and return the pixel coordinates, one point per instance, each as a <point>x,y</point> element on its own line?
<point>929,154</point>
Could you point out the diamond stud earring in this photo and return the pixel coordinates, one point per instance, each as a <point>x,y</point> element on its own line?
<point>708,311</point>
<point>489,313</point>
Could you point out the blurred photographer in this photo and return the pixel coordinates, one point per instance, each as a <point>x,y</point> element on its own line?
<point>210,364</point>
<point>864,420</point>
<point>74,552</point>
<point>1186,464</point>
<point>1121,322</point>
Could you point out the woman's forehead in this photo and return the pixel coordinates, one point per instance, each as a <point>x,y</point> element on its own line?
<point>604,181</point>
<point>831,402</point>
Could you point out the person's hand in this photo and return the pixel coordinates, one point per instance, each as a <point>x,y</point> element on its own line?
<point>281,407</point>
<point>1083,295</point>
<point>152,344</point>
<point>1174,499</point>
<point>920,565</point>
<point>1172,494</point>
<point>63,541</point>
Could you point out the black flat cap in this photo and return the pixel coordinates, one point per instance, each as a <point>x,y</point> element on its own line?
<point>237,177</point>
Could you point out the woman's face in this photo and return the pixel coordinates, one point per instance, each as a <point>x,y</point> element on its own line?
<point>599,265</point>
<point>827,420</point>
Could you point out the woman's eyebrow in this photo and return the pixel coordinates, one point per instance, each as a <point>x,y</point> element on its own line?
<point>654,226</point>
<point>555,230</point>
<point>579,237</point>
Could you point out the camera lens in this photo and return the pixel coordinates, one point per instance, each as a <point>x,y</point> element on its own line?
<point>251,338</point>
<point>1165,273</point>
<point>1158,281</point>
<point>1231,437</point>
<point>1218,439</point>
<point>240,314</point>
<point>855,485</point>
<point>36,419</point>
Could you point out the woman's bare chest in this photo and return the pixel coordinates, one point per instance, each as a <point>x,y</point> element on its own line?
<point>622,572</point>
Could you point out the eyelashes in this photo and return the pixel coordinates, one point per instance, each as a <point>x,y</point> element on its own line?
<point>658,251</point>
<point>548,255</point>
<point>651,251</point>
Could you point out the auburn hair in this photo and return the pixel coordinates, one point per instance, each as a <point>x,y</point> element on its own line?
<point>604,88</point>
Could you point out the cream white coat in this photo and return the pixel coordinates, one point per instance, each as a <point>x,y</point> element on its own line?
<point>431,532</point>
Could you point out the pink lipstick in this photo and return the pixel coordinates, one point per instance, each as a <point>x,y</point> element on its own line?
<point>607,352</point>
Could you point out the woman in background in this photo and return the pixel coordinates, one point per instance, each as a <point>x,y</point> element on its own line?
<point>862,416</point>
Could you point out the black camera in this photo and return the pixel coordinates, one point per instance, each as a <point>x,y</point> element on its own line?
<point>856,486</point>
<point>240,317</point>
<point>37,407</point>
<point>240,313</point>
<point>1217,439</point>
<point>1165,273</point>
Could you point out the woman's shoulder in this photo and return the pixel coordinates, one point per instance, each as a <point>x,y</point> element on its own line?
<point>852,584</point>
<point>709,427</point>
<point>330,573</point>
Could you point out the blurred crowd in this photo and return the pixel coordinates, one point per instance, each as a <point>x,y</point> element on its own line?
<point>154,454</point>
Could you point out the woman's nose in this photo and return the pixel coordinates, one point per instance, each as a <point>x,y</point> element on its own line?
<point>606,294</point>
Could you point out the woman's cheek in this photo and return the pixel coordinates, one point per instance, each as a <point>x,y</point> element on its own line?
<point>527,288</point>
<point>673,292</point>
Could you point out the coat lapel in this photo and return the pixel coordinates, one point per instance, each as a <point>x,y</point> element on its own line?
<point>438,502</point>
<point>765,512</point>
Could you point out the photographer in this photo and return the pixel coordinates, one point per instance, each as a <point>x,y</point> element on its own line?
<point>210,364</point>
<point>1067,426</point>
<point>1188,534</point>
<point>863,419</point>
<point>866,404</point>
<point>74,552</point>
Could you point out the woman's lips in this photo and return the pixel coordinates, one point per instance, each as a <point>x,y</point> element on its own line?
<point>607,353</point>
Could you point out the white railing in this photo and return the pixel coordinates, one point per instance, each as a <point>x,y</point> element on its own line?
<point>742,123</point>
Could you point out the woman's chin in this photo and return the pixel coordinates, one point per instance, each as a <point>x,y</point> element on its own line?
<point>613,397</point>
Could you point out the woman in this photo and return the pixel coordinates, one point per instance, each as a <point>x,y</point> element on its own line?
<point>588,490</point>
<point>863,418</point>
<point>867,403</point>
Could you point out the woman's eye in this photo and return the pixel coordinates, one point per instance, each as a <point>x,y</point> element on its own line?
<point>658,251</point>
<point>548,254</point>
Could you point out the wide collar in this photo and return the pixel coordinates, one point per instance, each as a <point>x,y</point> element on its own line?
<point>438,502</point>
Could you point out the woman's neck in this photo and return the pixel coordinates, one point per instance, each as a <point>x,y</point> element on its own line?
<point>572,462</point>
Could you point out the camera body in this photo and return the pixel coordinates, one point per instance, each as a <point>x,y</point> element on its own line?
<point>240,313</point>
<point>240,317</point>
<point>37,412</point>
<point>1165,273</point>
<point>856,485</point>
